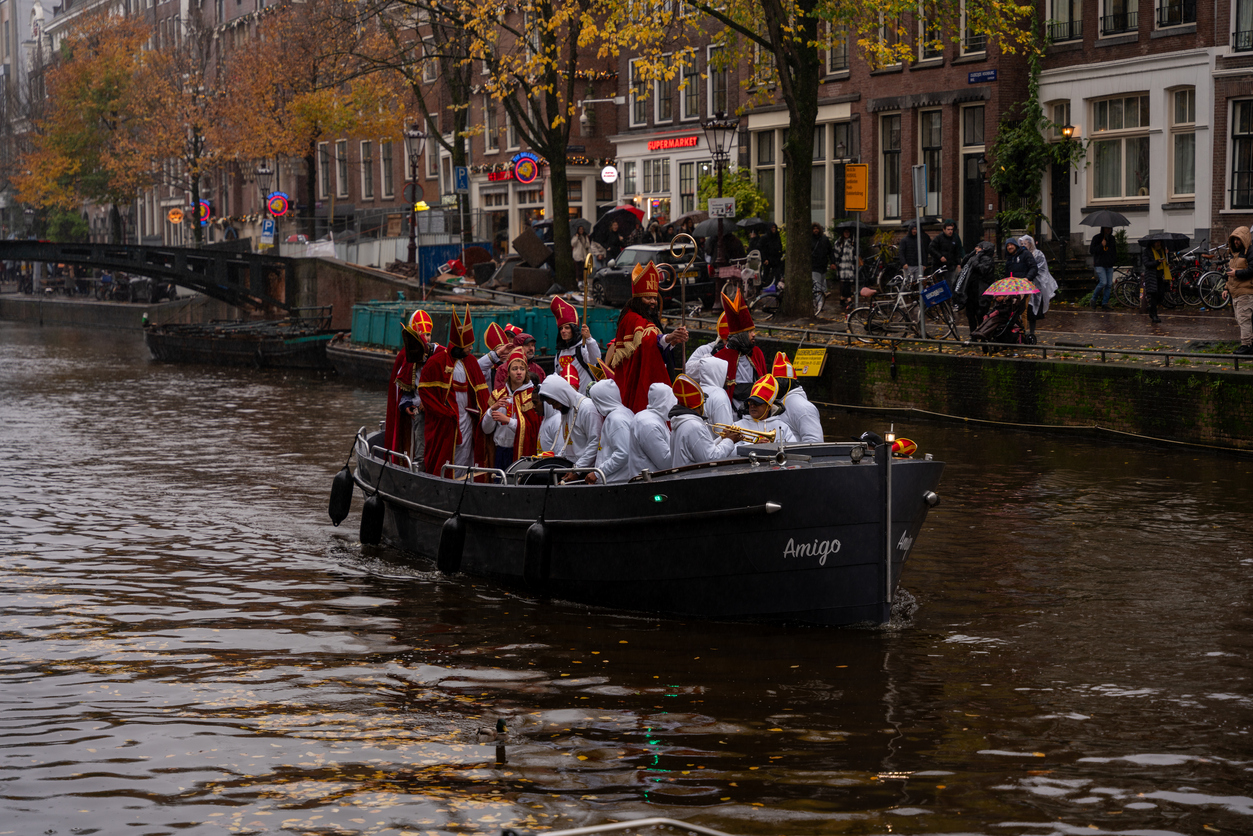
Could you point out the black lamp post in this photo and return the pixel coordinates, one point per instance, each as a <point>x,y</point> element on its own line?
<point>415,139</point>
<point>720,134</point>
<point>265,176</point>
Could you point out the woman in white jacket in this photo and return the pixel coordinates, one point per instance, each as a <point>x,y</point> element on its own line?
<point>650,431</point>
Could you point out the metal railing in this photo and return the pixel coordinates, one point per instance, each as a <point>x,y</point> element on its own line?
<point>1176,13</point>
<point>1114,24</point>
<point>1065,30</point>
<point>1242,41</point>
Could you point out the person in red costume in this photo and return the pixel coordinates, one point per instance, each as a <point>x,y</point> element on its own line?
<point>745,362</point>
<point>525,342</point>
<point>641,354</point>
<point>513,421</point>
<point>403,429</point>
<point>454,399</point>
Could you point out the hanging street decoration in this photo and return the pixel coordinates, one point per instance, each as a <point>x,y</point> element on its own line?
<point>526,167</point>
<point>206,212</point>
<point>278,204</point>
<point>175,216</point>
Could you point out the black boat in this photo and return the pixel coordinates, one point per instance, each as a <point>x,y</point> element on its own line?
<point>796,534</point>
<point>298,342</point>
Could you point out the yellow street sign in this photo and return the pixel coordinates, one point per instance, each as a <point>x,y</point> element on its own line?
<point>809,361</point>
<point>857,187</point>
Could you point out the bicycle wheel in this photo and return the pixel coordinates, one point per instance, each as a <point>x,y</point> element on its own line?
<point>1189,291</point>
<point>1213,286</point>
<point>858,324</point>
<point>941,322</point>
<point>1127,292</point>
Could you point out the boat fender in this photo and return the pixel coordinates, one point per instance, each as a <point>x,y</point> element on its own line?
<point>452,541</point>
<point>341,496</point>
<point>372,521</point>
<point>536,553</point>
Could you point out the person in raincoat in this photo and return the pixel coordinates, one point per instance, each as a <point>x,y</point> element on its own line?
<point>1240,286</point>
<point>1038,303</point>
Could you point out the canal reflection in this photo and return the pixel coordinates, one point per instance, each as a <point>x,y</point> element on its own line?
<point>190,646</point>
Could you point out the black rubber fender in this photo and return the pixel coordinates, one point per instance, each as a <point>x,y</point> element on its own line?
<point>452,541</point>
<point>341,496</point>
<point>537,549</point>
<point>372,521</point>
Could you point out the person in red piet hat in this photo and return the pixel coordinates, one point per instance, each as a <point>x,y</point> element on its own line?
<point>499,344</point>
<point>642,354</point>
<point>745,362</point>
<point>575,346</point>
<point>691,441</point>
<point>526,342</point>
<point>513,421</point>
<point>403,427</point>
<point>454,399</point>
<point>762,413</point>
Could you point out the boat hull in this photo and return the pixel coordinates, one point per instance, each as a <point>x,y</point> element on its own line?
<point>784,543</point>
<point>298,351</point>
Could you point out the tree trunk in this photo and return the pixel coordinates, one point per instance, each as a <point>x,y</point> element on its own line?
<point>563,258</point>
<point>801,94</point>
<point>193,217</point>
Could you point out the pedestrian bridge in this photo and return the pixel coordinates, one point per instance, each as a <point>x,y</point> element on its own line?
<point>244,280</point>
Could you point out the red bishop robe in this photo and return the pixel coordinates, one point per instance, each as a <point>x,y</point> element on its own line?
<point>398,425</point>
<point>526,439</point>
<point>733,361</point>
<point>438,392</point>
<point>637,361</point>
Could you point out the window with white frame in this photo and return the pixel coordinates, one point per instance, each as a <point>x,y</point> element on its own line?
<point>491,132</point>
<point>1061,118</point>
<point>1183,142</point>
<point>929,45</point>
<point>511,133</point>
<point>930,142</point>
<point>628,178</point>
<point>718,95</point>
<point>657,176</point>
<point>1119,16</point>
<point>324,170</point>
<point>1175,12</point>
<point>973,41</point>
<point>687,187</point>
<point>1242,154</point>
<point>890,37</point>
<point>430,67</point>
<point>691,87</point>
<point>837,55</point>
<point>765,161</point>
<point>1065,20</point>
<point>818,177</point>
<point>763,74</point>
<point>663,95</point>
<point>367,170</point>
<point>341,168</point>
<point>385,168</point>
<point>432,159</point>
<point>890,164</point>
<point>972,126</point>
<point>639,95</point>
<point>847,142</point>
<point>1120,148</point>
<point>1242,37</point>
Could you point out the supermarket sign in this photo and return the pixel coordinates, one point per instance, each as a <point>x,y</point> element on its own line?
<point>676,142</point>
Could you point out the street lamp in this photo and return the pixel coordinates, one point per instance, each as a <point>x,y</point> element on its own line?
<point>265,176</point>
<point>415,139</point>
<point>719,134</point>
<point>1068,131</point>
<point>584,120</point>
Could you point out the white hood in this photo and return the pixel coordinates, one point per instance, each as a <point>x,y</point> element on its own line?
<point>713,372</point>
<point>605,396</point>
<point>555,387</point>
<point>661,399</point>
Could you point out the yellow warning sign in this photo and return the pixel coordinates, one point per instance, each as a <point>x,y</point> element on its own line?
<point>809,361</point>
<point>857,187</point>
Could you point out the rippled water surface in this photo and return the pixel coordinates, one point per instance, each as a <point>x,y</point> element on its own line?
<point>188,646</point>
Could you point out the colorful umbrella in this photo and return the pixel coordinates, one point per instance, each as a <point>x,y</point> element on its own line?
<point>1011,287</point>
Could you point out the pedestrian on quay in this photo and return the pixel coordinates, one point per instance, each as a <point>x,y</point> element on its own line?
<point>1240,286</point>
<point>772,255</point>
<point>1104,252</point>
<point>846,265</point>
<point>911,263</point>
<point>819,260</point>
<point>1038,303</point>
<point>982,272</point>
<point>1021,264</point>
<point>1155,261</point>
<point>580,246</point>
<point>946,249</point>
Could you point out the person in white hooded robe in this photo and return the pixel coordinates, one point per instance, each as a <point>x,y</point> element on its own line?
<point>761,416</point>
<point>613,453</point>
<point>796,411</point>
<point>691,441</point>
<point>1038,303</point>
<point>550,430</point>
<point>580,422</point>
<point>692,366</point>
<point>713,377</point>
<point>650,431</point>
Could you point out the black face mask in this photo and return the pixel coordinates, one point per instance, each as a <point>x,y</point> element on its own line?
<point>741,342</point>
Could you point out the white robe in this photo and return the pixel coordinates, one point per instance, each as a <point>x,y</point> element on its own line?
<point>650,435</point>
<point>463,453</point>
<point>550,431</point>
<point>802,417</point>
<point>712,380</point>
<point>579,431</point>
<point>692,367</point>
<point>691,442</point>
<point>613,453</point>
<point>782,431</point>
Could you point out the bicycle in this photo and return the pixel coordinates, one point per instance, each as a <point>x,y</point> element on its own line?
<point>895,315</point>
<point>1128,285</point>
<point>1213,289</point>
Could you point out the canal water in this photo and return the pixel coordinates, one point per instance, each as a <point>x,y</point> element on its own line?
<point>188,646</point>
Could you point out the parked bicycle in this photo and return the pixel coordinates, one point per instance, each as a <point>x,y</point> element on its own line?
<point>893,313</point>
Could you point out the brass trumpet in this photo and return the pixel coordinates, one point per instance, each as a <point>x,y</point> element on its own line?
<point>751,436</point>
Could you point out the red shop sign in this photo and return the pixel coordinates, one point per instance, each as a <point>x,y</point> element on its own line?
<point>676,142</point>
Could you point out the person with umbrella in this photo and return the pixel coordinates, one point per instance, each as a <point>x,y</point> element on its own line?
<point>978,273</point>
<point>819,260</point>
<point>1104,252</point>
<point>1021,264</point>
<point>1155,259</point>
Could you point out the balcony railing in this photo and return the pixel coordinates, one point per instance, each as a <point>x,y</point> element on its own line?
<point>974,42</point>
<point>1176,13</point>
<point>1242,41</point>
<point>1120,22</point>
<point>1065,30</point>
<point>1241,189</point>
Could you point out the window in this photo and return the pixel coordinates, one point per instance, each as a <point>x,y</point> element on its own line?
<point>432,158</point>
<point>931,140</point>
<point>890,153</point>
<point>511,134</point>
<point>1120,148</point>
<point>1118,16</point>
<point>663,91</point>
<point>1183,142</point>
<point>929,45</point>
<point>1242,155</point>
<point>890,38</point>
<point>763,67</point>
<point>972,126</point>
<point>341,168</point>
<point>837,55</point>
<point>639,96</point>
<point>847,144</point>
<point>324,170</point>
<point>718,102</point>
<point>1061,118</point>
<point>385,167</point>
<point>430,67</point>
<point>367,169</point>
<point>691,87</point>
<point>973,41</point>
<point>765,148</point>
<point>491,134</point>
<point>628,178</point>
<point>657,176</point>
<point>1066,20</point>
<point>687,187</point>
<point>1242,39</point>
<point>1175,12</point>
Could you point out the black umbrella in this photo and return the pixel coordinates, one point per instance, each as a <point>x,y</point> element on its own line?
<point>696,217</point>
<point>627,220</point>
<point>575,223</point>
<point>1173,241</point>
<point>709,227</point>
<point>855,225</point>
<point>1105,217</point>
<point>749,223</point>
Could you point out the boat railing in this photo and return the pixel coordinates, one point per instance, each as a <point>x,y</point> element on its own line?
<point>635,826</point>
<point>471,471</point>
<point>553,473</point>
<point>390,454</point>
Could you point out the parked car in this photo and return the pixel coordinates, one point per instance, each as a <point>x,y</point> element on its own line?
<point>611,284</point>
